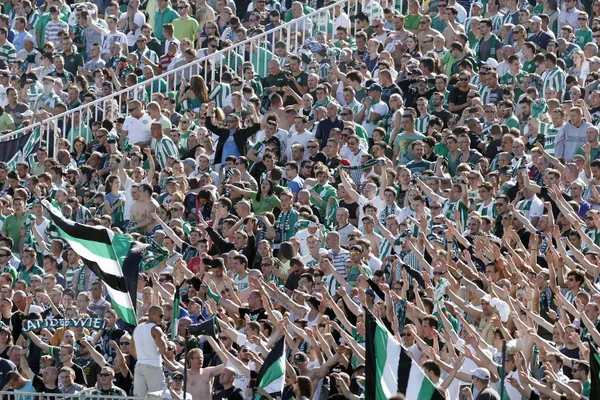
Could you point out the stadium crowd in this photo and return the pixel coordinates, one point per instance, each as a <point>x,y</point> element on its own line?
<point>435,164</point>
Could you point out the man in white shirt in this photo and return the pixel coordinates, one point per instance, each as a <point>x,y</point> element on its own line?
<point>131,22</point>
<point>136,127</point>
<point>301,137</point>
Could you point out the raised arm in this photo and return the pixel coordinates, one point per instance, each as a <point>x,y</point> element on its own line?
<point>38,342</point>
<point>347,185</point>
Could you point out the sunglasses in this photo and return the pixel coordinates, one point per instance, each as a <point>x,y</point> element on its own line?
<point>105,374</point>
<point>125,343</point>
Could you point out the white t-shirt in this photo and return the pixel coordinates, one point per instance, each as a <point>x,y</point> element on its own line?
<point>302,139</point>
<point>533,207</point>
<point>138,129</point>
<point>362,201</point>
<point>139,19</point>
<point>378,108</point>
<point>109,38</point>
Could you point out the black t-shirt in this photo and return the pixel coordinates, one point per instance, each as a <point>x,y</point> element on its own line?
<point>571,353</point>
<point>444,115</point>
<point>17,112</point>
<point>493,148</point>
<point>294,278</point>
<point>80,376</point>
<point>388,91</point>
<point>457,97</point>
<point>91,370</point>
<point>320,156</point>
<point>232,393</point>
<point>40,387</point>
<point>352,208</point>
<point>334,162</point>
<point>488,394</point>
<point>255,315</point>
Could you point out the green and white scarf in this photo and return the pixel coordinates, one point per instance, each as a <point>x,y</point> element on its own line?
<point>372,162</point>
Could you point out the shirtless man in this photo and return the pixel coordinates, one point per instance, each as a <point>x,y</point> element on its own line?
<point>453,28</point>
<point>369,226</point>
<point>426,28</point>
<point>300,360</point>
<point>142,210</point>
<point>199,380</point>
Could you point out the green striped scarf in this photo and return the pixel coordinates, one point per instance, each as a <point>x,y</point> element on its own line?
<point>372,162</point>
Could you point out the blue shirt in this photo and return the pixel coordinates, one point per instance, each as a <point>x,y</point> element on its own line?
<point>19,39</point>
<point>541,39</point>
<point>230,148</point>
<point>28,388</point>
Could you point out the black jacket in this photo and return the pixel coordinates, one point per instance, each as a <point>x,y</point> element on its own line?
<point>240,137</point>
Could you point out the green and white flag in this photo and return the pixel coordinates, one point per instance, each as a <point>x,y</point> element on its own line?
<point>389,368</point>
<point>113,257</point>
<point>271,376</point>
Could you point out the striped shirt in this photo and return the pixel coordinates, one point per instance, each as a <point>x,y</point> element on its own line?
<point>489,210</point>
<point>339,261</point>
<point>485,93</point>
<point>497,21</point>
<point>8,53</point>
<point>555,78</point>
<point>165,148</point>
<point>550,132</point>
<point>422,123</point>
<point>36,89</point>
<point>52,29</point>
<point>50,100</point>
<point>331,283</point>
<point>220,93</point>
<point>449,208</point>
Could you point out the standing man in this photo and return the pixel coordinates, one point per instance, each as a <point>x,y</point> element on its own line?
<point>162,145</point>
<point>553,77</point>
<point>149,343</point>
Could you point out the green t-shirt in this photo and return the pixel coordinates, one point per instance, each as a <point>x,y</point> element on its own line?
<point>26,275</point>
<point>5,121</point>
<point>265,204</point>
<point>325,192</point>
<point>583,37</point>
<point>512,122</point>
<point>185,28</point>
<point>12,228</point>
<point>161,18</point>
<point>509,79</point>
<point>412,21</point>
<point>529,66</point>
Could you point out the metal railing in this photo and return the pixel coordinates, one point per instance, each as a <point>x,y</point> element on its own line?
<point>293,33</point>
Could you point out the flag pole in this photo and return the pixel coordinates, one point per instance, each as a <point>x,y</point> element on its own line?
<point>503,376</point>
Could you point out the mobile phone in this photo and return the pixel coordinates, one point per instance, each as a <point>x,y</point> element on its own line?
<point>473,110</point>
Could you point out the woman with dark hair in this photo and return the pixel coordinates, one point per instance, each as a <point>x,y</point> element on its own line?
<point>6,342</point>
<point>79,154</point>
<point>114,201</point>
<point>413,47</point>
<point>196,94</point>
<point>204,203</point>
<point>303,389</point>
<point>262,201</point>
